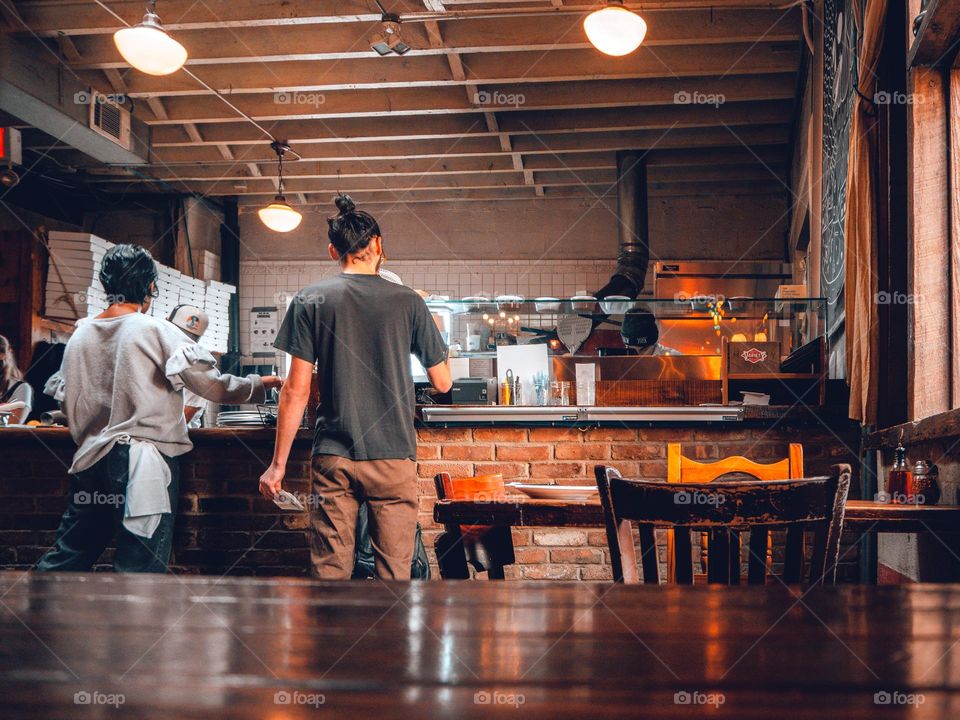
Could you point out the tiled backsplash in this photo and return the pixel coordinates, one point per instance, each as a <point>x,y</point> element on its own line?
<point>268,284</point>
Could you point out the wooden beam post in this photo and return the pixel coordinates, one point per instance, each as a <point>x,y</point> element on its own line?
<point>928,200</point>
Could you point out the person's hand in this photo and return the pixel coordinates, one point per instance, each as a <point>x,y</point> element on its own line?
<point>272,382</point>
<point>271,481</point>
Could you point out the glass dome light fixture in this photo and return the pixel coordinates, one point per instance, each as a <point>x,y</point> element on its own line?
<point>278,215</point>
<point>614,30</point>
<point>148,47</point>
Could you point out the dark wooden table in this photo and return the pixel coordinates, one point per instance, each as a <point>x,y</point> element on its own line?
<point>861,515</point>
<point>185,647</point>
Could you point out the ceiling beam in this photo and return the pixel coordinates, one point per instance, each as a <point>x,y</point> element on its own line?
<point>603,120</point>
<point>692,28</point>
<point>488,145</point>
<point>49,17</point>
<point>484,69</point>
<point>679,143</point>
<point>236,168</point>
<point>602,187</point>
<point>656,173</point>
<point>503,99</point>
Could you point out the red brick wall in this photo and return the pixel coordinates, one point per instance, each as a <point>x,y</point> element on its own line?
<point>225,526</point>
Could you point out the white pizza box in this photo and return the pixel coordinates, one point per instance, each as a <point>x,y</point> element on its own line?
<point>71,255</point>
<point>222,286</point>
<point>84,248</point>
<point>60,237</point>
<point>66,313</point>
<point>66,260</point>
<point>78,295</point>
<point>72,278</point>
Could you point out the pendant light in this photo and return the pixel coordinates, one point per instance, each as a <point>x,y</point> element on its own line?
<point>148,47</point>
<point>614,30</point>
<point>278,215</point>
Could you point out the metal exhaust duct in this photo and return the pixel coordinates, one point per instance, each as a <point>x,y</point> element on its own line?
<point>633,255</point>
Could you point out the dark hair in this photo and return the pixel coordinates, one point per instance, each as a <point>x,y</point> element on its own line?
<point>126,274</point>
<point>350,229</point>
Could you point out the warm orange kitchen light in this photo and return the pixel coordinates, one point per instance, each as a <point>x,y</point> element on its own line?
<point>614,30</point>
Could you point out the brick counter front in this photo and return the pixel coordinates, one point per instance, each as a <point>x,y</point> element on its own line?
<point>225,527</point>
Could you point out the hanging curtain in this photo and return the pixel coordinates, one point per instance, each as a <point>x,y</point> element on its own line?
<point>860,224</point>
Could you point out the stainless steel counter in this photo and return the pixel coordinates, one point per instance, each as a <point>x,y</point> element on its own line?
<point>517,414</point>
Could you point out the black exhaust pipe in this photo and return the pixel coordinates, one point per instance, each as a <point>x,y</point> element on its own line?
<point>633,256</point>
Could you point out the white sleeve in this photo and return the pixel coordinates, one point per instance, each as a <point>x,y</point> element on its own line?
<point>194,368</point>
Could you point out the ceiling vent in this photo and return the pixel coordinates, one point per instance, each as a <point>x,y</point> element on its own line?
<point>109,119</point>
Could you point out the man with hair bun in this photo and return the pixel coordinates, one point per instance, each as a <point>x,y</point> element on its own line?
<point>359,329</point>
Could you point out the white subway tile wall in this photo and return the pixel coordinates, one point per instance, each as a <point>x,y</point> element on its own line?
<point>269,284</point>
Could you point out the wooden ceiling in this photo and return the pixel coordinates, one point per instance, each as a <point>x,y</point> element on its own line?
<point>496,100</point>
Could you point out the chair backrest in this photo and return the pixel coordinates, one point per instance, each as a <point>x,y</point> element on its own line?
<point>487,548</point>
<point>684,469</point>
<point>759,506</point>
<point>481,487</point>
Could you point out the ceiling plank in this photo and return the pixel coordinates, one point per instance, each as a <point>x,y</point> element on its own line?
<point>690,28</point>
<point>49,17</point>
<point>485,69</point>
<point>656,173</point>
<point>679,142</point>
<point>503,99</point>
<point>610,120</point>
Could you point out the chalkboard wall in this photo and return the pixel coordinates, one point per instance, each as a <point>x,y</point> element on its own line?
<point>840,44</point>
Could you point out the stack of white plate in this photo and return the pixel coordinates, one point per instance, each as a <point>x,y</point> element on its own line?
<point>239,418</point>
<point>73,282</point>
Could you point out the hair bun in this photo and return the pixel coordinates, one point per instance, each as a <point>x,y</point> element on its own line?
<point>344,204</point>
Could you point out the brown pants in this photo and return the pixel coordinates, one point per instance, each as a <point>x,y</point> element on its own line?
<point>390,489</point>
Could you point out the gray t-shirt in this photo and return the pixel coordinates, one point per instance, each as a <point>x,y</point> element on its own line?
<point>361,330</point>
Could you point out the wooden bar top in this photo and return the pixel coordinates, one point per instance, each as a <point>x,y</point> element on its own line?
<point>182,647</point>
<point>861,515</point>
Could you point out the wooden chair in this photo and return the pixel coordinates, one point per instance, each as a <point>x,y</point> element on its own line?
<point>686,470</point>
<point>759,506</point>
<point>487,548</point>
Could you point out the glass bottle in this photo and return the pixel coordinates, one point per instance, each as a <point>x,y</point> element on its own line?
<point>900,477</point>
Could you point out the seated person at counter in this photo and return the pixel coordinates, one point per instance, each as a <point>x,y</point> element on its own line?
<point>122,376</point>
<point>359,329</point>
<point>13,388</point>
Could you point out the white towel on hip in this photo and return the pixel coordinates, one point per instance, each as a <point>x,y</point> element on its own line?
<point>147,496</point>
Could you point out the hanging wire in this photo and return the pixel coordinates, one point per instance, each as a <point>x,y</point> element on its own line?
<point>279,148</point>
<point>216,92</point>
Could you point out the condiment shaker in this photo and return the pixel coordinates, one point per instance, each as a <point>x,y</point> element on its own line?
<point>926,484</point>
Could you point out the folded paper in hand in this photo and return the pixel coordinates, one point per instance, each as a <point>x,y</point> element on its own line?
<point>287,501</point>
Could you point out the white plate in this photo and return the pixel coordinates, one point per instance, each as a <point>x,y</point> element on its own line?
<point>556,492</point>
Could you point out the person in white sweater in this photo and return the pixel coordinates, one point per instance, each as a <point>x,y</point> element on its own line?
<point>122,376</point>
